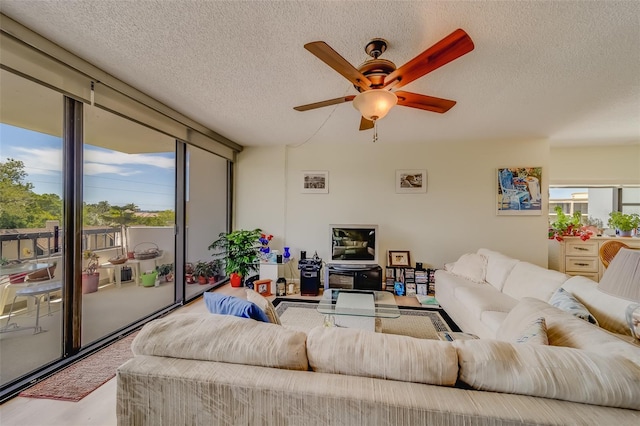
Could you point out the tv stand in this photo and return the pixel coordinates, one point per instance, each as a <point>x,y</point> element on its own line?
<point>353,277</point>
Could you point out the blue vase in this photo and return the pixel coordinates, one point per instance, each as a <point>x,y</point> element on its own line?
<point>286,254</point>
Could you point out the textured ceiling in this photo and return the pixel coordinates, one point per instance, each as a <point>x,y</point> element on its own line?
<point>564,71</point>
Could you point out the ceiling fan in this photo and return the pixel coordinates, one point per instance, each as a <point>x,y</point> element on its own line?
<point>376,77</point>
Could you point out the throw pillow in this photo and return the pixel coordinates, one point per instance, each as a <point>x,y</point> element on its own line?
<point>229,305</point>
<point>471,266</point>
<point>535,333</point>
<point>264,304</point>
<point>565,301</point>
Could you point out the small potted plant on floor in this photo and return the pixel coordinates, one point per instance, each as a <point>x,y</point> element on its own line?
<point>623,223</point>
<point>202,270</point>
<point>90,274</point>
<point>165,271</point>
<point>239,251</point>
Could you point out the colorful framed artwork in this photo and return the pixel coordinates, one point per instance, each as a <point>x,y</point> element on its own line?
<point>315,182</point>
<point>519,191</point>
<point>411,181</point>
<point>399,258</point>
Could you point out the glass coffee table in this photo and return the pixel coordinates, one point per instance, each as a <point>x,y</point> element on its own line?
<point>357,308</point>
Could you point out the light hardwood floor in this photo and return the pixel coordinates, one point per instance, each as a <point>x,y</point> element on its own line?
<point>99,407</point>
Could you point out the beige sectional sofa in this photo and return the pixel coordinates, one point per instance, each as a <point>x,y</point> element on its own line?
<point>480,289</point>
<point>195,369</point>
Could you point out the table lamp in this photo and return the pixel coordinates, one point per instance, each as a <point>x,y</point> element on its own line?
<point>622,279</point>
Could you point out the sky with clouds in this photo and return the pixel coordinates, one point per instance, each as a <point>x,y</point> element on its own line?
<point>147,180</point>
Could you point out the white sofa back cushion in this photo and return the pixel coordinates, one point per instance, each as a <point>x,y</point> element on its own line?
<point>385,356</point>
<point>529,280</point>
<point>607,309</point>
<point>549,372</point>
<point>223,338</point>
<point>499,267</point>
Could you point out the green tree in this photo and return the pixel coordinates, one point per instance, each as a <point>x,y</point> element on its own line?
<point>21,207</point>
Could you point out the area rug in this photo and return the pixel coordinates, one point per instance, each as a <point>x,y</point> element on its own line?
<point>420,323</point>
<point>80,379</point>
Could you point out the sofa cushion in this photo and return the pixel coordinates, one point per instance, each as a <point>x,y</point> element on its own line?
<point>493,320</point>
<point>549,372</point>
<point>471,266</point>
<point>386,356</point>
<point>480,298</point>
<point>607,309</point>
<point>564,301</point>
<point>265,305</point>
<point>229,305</point>
<point>535,333</point>
<point>499,267</point>
<point>224,338</point>
<point>563,329</point>
<point>529,280</point>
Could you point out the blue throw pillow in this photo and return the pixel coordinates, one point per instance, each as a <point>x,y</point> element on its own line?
<point>229,305</point>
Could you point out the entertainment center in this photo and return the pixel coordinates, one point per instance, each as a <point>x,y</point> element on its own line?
<point>354,258</point>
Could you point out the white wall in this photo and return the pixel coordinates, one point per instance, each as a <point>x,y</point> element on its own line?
<point>455,216</point>
<point>614,165</point>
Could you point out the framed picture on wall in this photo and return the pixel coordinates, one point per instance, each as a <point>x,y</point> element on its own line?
<point>315,182</point>
<point>411,181</point>
<point>518,191</point>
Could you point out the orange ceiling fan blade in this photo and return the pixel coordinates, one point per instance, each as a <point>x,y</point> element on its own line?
<point>446,50</point>
<point>428,103</point>
<point>365,124</point>
<point>326,54</point>
<point>325,103</point>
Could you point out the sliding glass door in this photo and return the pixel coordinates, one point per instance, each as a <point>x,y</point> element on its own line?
<point>31,226</point>
<point>128,222</point>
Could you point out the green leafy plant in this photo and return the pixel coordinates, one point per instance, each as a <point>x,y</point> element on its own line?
<point>568,226</point>
<point>202,269</point>
<point>238,250</point>
<point>164,269</point>
<point>624,222</point>
<point>92,261</point>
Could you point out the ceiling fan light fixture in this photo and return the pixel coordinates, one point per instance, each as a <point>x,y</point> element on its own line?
<point>375,104</point>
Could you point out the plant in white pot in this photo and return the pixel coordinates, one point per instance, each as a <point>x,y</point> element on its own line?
<point>90,274</point>
<point>624,223</point>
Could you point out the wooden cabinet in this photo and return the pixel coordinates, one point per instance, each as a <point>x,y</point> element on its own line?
<point>576,257</point>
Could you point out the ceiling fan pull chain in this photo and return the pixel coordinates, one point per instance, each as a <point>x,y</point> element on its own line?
<point>375,131</point>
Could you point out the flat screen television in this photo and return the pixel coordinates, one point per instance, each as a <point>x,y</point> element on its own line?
<point>354,244</point>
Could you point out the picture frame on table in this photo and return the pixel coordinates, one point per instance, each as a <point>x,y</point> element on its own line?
<point>411,181</point>
<point>262,287</point>
<point>315,182</point>
<point>399,258</point>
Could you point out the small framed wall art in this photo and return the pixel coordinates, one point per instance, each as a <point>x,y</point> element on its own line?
<point>315,182</point>
<point>399,258</point>
<point>411,181</point>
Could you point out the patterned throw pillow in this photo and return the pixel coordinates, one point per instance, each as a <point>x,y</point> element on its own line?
<point>264,304</point>
<point>565,301</point>
<point>535,333</point>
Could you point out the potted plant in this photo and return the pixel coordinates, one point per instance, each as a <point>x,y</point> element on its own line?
<point>239,251</point>
<point>90,274</point>
<point>202,270</point>
<point>166,271</point>
<point>216,270</point>
<point>568,226</point>
<point>624,223</point>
